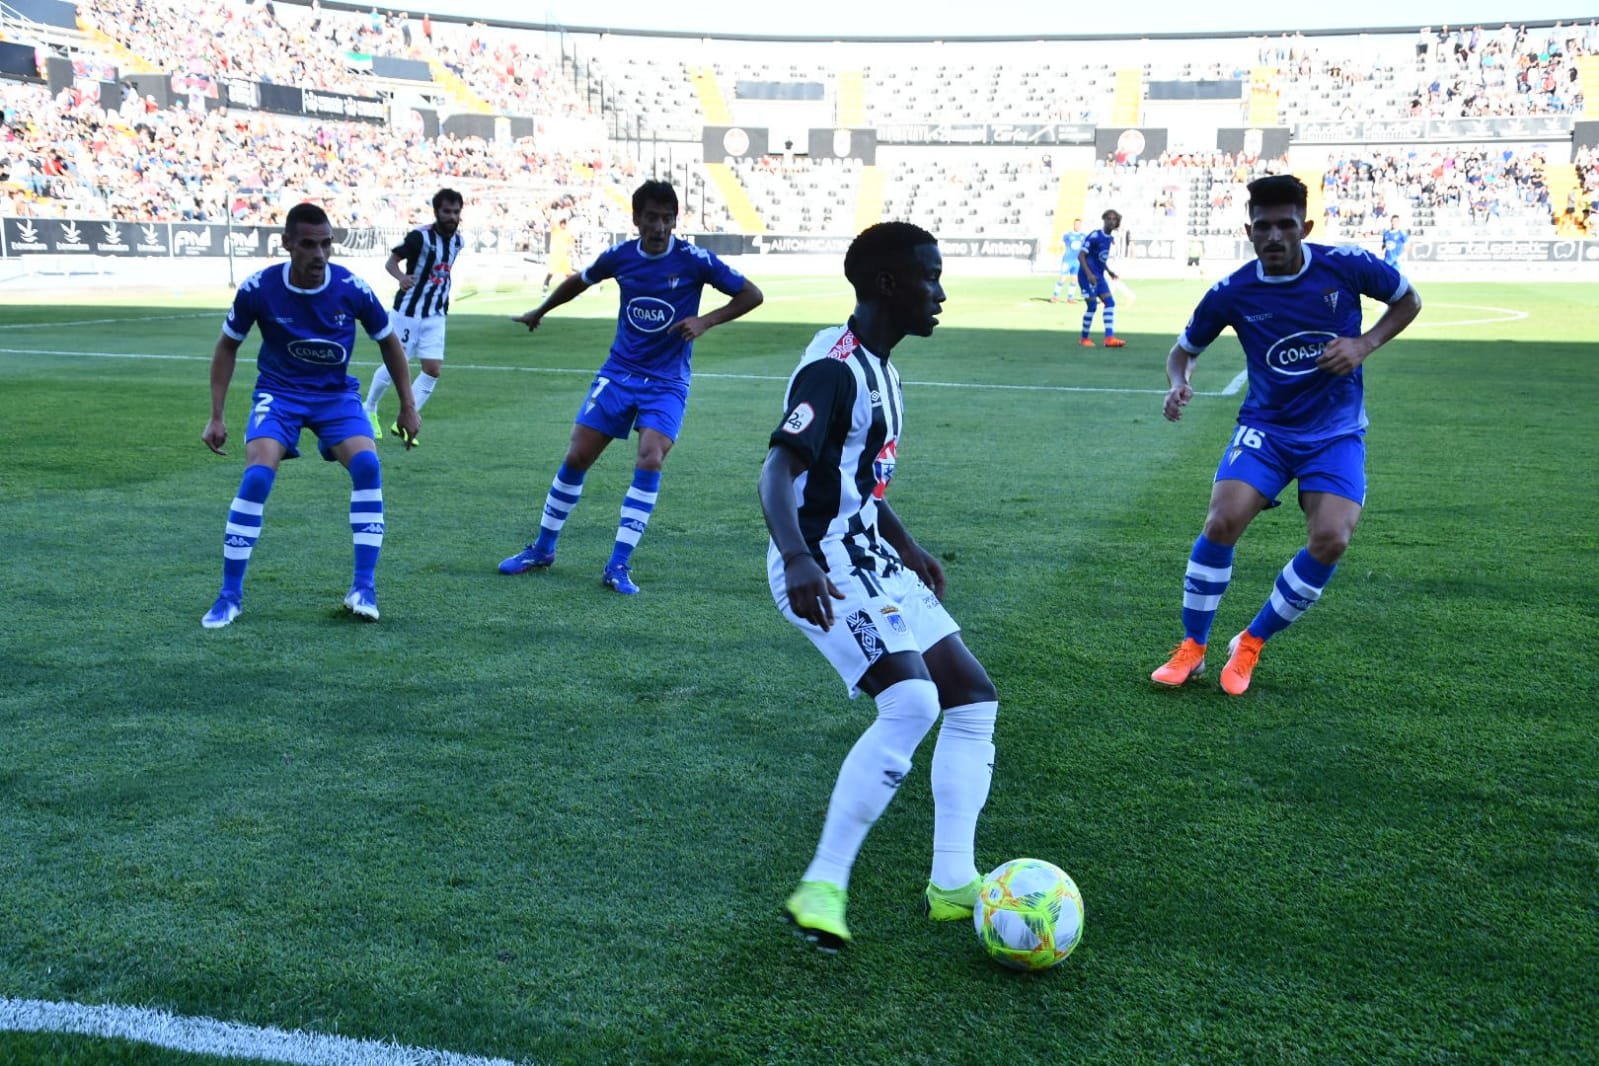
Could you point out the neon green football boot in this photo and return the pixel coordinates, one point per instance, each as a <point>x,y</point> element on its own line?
<point>951,904</point>
<point>816,910</point>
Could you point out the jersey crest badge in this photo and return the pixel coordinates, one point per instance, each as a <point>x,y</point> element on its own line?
<point>1331,297</point>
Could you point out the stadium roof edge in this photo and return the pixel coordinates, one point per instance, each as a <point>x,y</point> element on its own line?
<point>416,12</point>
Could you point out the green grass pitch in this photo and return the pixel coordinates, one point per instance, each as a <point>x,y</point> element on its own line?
<point>527,818</point>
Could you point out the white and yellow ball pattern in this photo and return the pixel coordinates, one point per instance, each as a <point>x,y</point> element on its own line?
<point>1029,914</point>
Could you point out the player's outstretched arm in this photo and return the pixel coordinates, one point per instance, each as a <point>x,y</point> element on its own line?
<point>224,357</point>
<point>926,565</point>
<point>1179,367</point>
<point>410,421</point>
<point>565,292</point>
<point>395,271</point>
<point>747,300</point>
<point>1343,354</point>
<point>810,591</point>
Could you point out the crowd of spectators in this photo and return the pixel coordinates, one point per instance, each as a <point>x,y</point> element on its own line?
<point>64,155</point>
<point>1469,72</point>
<point>1449,187</point>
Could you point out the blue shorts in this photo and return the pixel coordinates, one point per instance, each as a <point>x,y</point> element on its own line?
<point>1255,457</point>
<point>618,404</point>
<point>1090,292</point>
<point>334,417</point>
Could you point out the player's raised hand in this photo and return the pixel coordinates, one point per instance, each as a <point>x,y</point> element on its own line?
<point>531,320</point>
<point>215,435</point>
<point>810,591</point>
<point>1176,399</point>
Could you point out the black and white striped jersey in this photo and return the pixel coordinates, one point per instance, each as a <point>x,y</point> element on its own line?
<point>429,258</point>
<point>843,414</point>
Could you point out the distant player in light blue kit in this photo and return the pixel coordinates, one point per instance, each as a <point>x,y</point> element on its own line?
<point>307,310</point>
<point>644,384</point>
<point>1093,277</point>
<point>1071,244</point>
<point>1394,240</point>
<point>1296,312</point>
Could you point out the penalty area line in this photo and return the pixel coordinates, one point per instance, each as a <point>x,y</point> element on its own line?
<point>208,1036</point>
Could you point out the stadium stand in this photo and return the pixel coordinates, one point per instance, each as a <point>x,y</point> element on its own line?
<point>1463,131</point>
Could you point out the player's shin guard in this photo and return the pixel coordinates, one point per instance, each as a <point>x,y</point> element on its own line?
<point>871,774</point>
<point>244,526</point>
<point>422,388</point>
<point>565,491</point>
<point>1090,305</point>
<point>380,385</point>
<point>1109,317</point>
<point>637,506</point>
<point>963,766</point>
<point>1210,568</point>
<point>1298,586</point>
<point>366,515</point>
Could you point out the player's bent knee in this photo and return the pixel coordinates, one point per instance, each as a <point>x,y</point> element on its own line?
<point>914,700</point>
<point>366,469</point>
<point>1328,548</point>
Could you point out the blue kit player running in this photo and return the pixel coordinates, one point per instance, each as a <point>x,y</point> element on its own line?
<point>1071,244</point>
<point>307,310</point>
<point>1296,312</point>
<point>644,384</point>
<point>1093,277</point>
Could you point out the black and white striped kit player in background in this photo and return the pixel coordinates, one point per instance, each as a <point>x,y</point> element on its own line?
<point>422,264</point>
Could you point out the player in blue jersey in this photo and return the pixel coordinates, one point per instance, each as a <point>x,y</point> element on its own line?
<point>644,383</point>
<point>1094,276</point>
<point>843,569</point>
<point>307,310</point>
<point>1296,312</point>
<point>1394,240</point>
<point>1071,243</point>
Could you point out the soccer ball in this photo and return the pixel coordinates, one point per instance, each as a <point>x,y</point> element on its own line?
<point>1029,914</point>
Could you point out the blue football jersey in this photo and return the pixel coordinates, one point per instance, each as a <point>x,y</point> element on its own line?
<point>658,292</point>
<point>1283,323</point>
<point>1393,245</point>
<point>1097,244</point>
<point>306,334</point>
<point>1074,244</point>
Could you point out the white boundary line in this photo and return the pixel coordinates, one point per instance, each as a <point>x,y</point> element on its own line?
<point>111,321</point>
<point>713,375</point>
<point>1506,314</point>
<point>207,1036</point>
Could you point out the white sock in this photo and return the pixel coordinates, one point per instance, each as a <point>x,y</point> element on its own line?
<point>963,766</point>
<point>871,774</point>
<point>380,384</point>
<point>422,388</point>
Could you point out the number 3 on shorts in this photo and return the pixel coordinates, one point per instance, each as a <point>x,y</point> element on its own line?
<point>1248,438</point>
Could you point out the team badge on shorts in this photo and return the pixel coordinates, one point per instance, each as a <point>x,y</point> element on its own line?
<point>895,620</point>
<point>864,630</point>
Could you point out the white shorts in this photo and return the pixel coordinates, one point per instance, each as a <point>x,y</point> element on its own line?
<point>901,614</point>
<point>423,337</point>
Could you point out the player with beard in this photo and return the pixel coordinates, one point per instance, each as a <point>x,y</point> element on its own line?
<point>423,265</point>
<point>845,571</point>
<point>1296,313</point>
<point>307,310</point>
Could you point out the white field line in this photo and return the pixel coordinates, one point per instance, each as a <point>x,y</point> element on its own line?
<point>1506,314</point>
<point>207,1036</point>
<point>698,374</point>
<point>115,321</point>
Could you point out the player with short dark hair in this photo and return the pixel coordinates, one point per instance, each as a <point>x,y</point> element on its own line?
<point>307,310</point>
<point>423,265</point>
<point>644,384</point>
<point>1093,277</point>
<point>844,570</point>
<point>1296,312</point>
